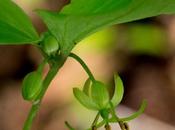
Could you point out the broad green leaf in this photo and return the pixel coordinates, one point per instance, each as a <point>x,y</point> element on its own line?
<point>82,17</point>
<point>100,94</point>
<point>118,92</point>
<point>86,87</point>
<point>15,26</point>
<point>84,99</point>
<point>136,114</point>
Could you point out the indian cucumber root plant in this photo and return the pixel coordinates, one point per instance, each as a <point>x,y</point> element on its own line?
<point>65,29</point>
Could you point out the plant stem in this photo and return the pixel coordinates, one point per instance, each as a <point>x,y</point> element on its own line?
<point>96,120</point>
<point>98,125</point>
<point>107,127</point>
<point>122,125</point>
<point>83,64</point>
<point>41,66</point>
<point>36,104</point>
<point>31,116</point>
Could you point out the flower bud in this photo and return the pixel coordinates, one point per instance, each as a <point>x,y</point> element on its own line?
<point>31,86</point>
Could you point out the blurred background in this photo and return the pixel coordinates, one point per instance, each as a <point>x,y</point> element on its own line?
<point>142,52</point>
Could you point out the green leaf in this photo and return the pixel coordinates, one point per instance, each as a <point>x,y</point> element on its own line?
<point>84,99</point>
<point>100,94</point>
<point>83,17</point>
<point>15,26</point>
<point>31,86</point>
<point>136,114</point>
<point>118,92</point>
<point>86,87</point>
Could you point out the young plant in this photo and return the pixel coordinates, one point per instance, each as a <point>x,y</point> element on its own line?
<point>65,29</point>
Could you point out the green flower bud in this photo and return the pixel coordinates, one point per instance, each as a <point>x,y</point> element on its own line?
<point>50,44</point>
<point>31,86</point>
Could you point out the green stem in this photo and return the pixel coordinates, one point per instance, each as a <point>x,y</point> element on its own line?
<point>41,66</point>
<point>112,120</point>
<point>36,104</point>
<point>98,125</point>
<point>121,123</point>
<point>31,116</point>
<point>83,64</point>
<point>96,120</point>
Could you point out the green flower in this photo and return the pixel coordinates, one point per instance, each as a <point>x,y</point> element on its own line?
<point>95,96</point>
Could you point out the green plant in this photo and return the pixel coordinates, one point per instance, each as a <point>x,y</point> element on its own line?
<point>65,29</point>
<point>95,96</point>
